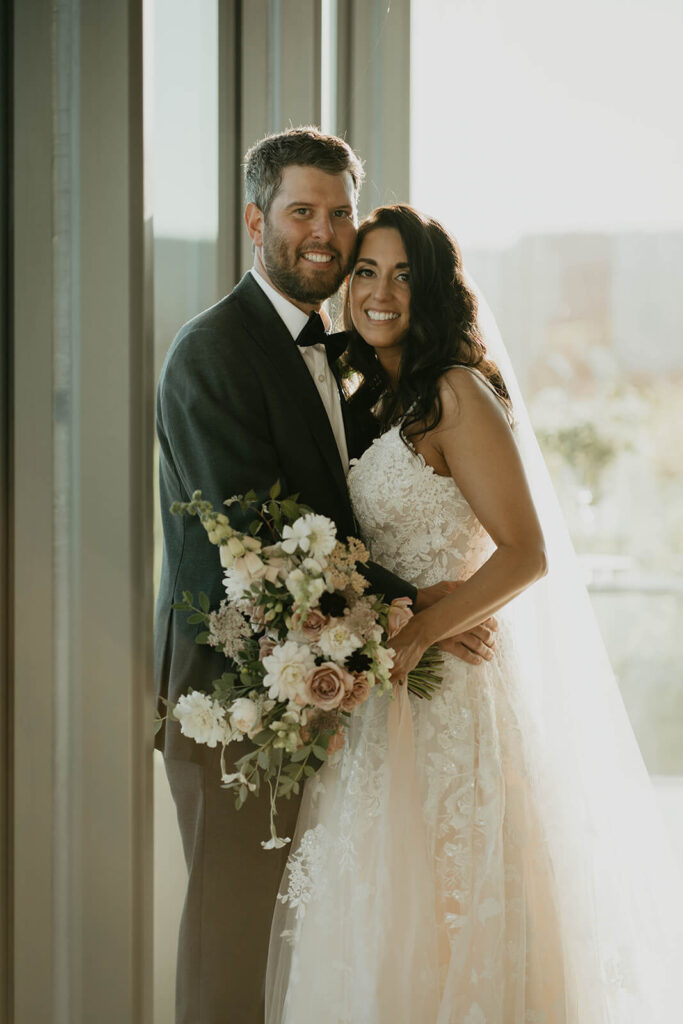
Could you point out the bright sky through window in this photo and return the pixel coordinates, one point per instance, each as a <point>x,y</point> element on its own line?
<point>543,116</point>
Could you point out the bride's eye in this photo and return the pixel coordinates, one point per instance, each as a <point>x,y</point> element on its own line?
<point>362,272</point>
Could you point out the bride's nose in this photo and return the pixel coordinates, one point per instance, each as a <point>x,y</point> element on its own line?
<point>382,287</point>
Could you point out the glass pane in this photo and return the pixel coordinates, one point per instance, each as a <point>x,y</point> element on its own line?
<point>185,204</point>
<point>558,167</point>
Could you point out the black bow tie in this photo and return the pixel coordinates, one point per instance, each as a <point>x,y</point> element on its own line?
<point>313,333</point>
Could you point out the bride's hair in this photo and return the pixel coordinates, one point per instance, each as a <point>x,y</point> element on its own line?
<point>443,329</point>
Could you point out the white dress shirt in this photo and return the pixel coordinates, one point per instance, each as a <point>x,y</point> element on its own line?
<point>315,358</point>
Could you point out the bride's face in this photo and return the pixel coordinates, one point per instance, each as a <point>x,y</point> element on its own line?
<point>379,293</point>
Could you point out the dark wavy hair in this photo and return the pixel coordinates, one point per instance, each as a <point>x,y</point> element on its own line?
<point>443,329</point>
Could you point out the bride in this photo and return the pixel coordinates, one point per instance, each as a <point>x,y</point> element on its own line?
<point>492,856</point>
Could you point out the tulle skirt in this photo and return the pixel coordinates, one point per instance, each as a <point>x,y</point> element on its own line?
<point>420,888</point>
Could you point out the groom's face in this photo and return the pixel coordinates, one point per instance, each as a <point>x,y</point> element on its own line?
<point>306,241</point>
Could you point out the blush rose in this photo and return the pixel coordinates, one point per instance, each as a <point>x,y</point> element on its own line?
<point>310,624</point>
<point>327,685</point>
<point>399,614</point>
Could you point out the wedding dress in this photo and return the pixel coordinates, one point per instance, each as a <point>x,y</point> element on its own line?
<point>485,857</point>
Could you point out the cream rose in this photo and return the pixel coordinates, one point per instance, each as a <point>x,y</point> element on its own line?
<point>399,614</point>
<point>244,715</point>
<point>287,671</point>
<point>327,685</point>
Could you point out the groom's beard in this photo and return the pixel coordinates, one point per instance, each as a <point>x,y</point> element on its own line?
<point>288,271</point>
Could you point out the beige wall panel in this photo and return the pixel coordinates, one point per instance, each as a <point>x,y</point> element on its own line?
<point>33,649</point>
<point>299,100</point>
<point>116,473</point>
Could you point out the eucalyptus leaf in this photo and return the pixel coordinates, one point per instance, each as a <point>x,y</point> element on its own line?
<point>301,754</point>
<point>262,737</point>
<point>275,489</point>
<point>204,602</point>
<point>202,638</point>
<point>320,752</point>
<point>195,618</point>
<point>263,759</point>
<point>290,508</point>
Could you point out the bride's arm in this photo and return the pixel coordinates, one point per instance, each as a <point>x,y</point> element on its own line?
<point>475,442</point>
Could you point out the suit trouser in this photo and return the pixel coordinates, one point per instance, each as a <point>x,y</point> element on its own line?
<point>232,886</point>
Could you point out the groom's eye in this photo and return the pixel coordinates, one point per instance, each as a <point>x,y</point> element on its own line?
<point>303,210</point>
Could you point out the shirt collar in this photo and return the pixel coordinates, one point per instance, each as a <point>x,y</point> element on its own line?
<point>293,318</point>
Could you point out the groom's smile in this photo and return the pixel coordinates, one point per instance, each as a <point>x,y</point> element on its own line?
<point>304,243</point>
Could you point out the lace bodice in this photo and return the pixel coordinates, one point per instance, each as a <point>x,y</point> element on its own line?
<point>413,521</point>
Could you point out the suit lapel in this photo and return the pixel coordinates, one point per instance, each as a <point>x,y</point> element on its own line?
<point>276,344</point>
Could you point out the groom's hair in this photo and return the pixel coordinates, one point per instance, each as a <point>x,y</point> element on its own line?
<point>303,147</point>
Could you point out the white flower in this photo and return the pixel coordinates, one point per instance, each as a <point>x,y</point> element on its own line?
<point>227,626</point>
<point>314,534</point>
<point>237,547</point>
<point>274,843</point>
<point>322,535</point>
<point>337,641</point>
<point>295,536</point>
<point>286,671</point>
<point>245,571</point>
<point>244,716</point>
<point>201,718</point>
<point>240,777</point>
<point>313,566</point>
<point>304,589</point>
<point>384,657</point>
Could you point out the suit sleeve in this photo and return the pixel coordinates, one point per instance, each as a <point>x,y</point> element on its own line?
<point>386,583</point>
<point>214,421</point>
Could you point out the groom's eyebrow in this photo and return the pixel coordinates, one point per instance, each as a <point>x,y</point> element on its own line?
<point>308,203</point>
<point>366,259</point>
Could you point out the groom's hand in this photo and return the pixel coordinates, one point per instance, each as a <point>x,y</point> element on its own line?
<point>477,644</point>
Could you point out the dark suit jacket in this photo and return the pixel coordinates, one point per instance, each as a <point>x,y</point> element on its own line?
<point>237,410</point>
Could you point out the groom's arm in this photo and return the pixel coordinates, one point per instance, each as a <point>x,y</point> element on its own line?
<point>214,420</point>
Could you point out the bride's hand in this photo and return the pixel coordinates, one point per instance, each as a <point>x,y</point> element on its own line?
<point>408,645</point>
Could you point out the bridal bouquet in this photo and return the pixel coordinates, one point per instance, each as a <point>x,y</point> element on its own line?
<point>304,645</point>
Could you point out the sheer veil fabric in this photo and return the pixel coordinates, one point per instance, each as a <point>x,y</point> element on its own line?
<point>619,886</point>
<point>355,936</point>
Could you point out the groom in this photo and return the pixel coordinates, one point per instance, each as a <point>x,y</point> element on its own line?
<point>249,395</point>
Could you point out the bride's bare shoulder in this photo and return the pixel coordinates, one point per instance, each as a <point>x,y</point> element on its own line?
<point>465,392</point>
